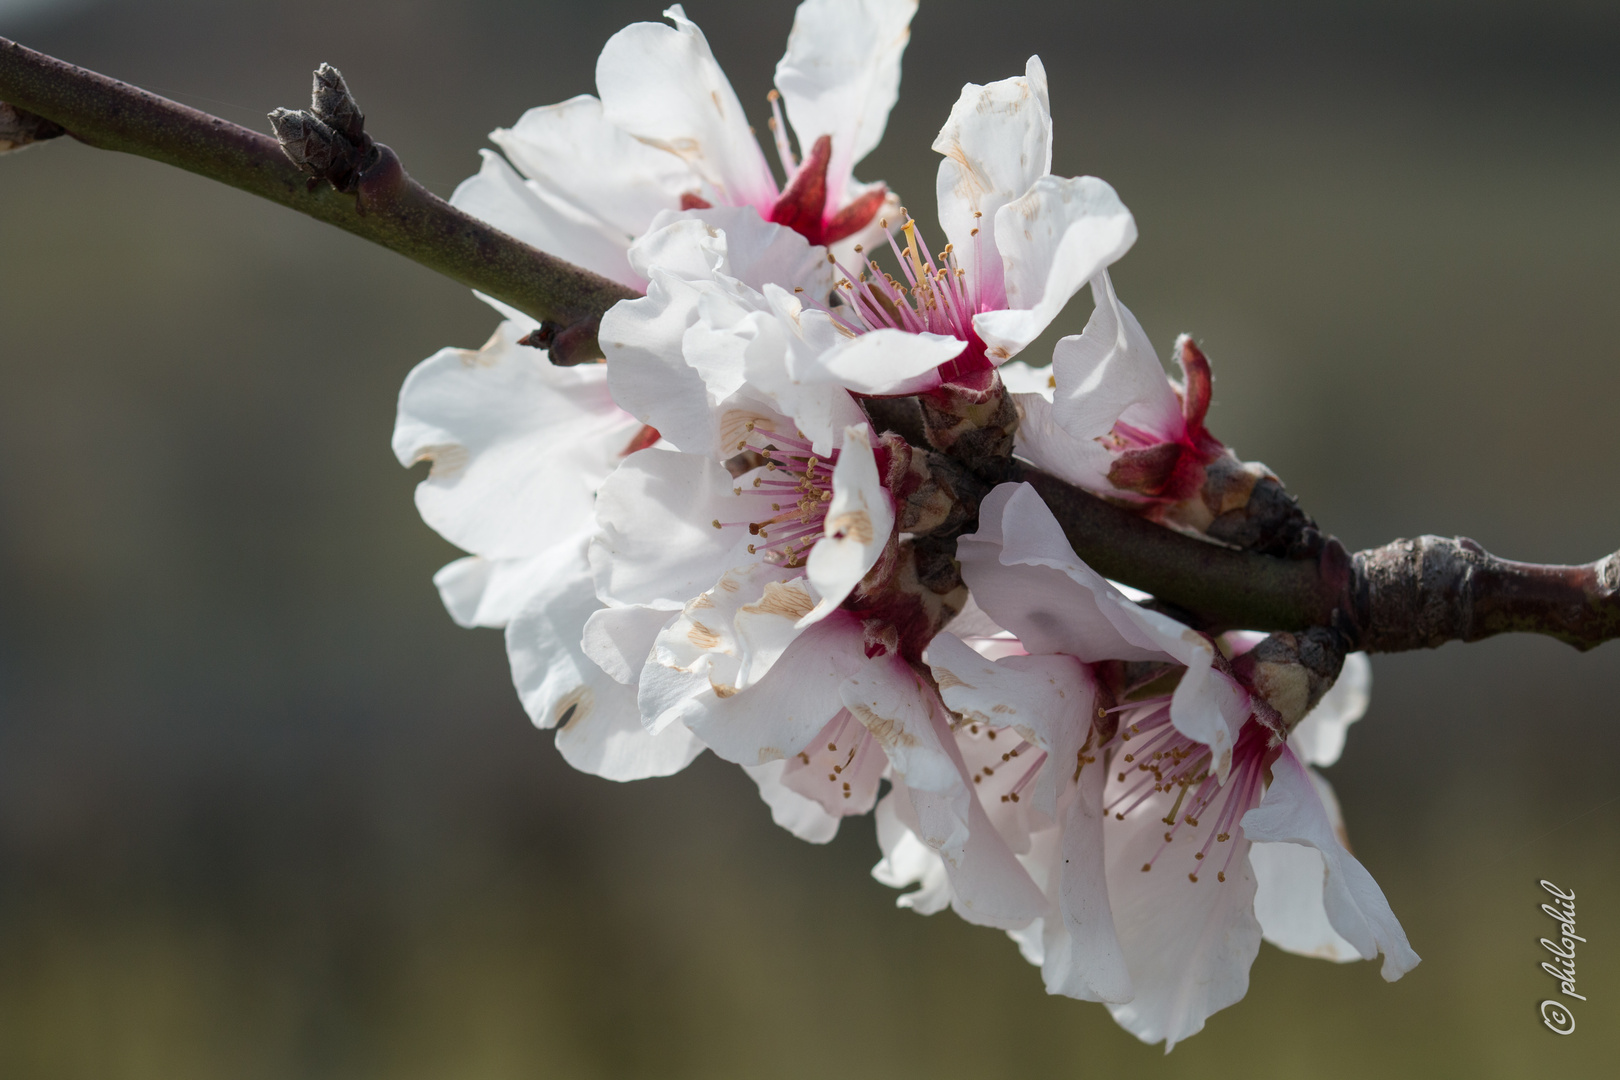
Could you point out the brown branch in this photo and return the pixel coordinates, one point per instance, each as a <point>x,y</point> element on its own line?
<point>387,206</point>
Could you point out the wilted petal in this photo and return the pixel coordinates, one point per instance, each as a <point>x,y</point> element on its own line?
<point>1292,811</point>
<point>518,445</point>
<point>997,142</point>
<point>662,85</point>
<point>841,76</point>
<point>1053,239</point>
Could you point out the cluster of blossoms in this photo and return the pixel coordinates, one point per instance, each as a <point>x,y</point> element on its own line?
<point>770,525</point>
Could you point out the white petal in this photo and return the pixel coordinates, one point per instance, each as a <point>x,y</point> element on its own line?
<point>599,728</point>
<point>840,769</point>
<point>997,142</point>
<point>648,375</point>
<point>518,445</point>
<point>773,717</point>
<point>1319,738</point>
<point>1292,811</point>
<point>1288,902</point>
<point>663,86</point>
<point>889,361</point>
<point>1111,373</point>
<point>656,539</point>
<point>1086,960</point>
<point>841,76</point>
<point>489,592</point>
<point>735,243</point>
<point>1046,699</point>
<point>889,700</point>
<point>799,815</point>
<point>571,150</point>
<point>1188,945</point>
<point>907,860</point>
<point>1026,576</point>
<point>541,219</point>
<point>1020,379</point>
<point>1052,239</point>
<point>859,520</point>
<point>1048,446</point>
<point>619,639</point>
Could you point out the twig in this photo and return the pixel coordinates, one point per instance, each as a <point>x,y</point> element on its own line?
<point>387,206</point>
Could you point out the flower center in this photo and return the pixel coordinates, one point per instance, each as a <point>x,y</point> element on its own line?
<point>934,298</point>
<point>785,505</point>
<point>1152,758</point>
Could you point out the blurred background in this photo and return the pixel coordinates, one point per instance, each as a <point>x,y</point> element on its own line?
<point>265,812</point>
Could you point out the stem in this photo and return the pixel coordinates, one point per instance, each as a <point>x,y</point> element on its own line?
<point>389,208</point>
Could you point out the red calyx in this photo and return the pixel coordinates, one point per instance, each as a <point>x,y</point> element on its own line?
<point>803,206</point>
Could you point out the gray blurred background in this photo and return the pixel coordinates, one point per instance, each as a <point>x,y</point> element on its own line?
<point>265,812</point>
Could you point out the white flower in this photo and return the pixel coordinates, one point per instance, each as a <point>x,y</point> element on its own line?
<point>1148,832</point>
<point>518,448</point>
<point>669,133</point>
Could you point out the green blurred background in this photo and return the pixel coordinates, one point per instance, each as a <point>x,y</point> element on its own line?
<point>265,812</point>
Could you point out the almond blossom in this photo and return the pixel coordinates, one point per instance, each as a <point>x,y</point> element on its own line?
<point>518,448</point>
<point>668,132</point>
<point>1169,832</point>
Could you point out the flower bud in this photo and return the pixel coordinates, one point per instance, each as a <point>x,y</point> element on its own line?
<point>331,102</point>
<point>311,144</point>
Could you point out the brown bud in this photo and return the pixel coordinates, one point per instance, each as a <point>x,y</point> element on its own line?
<point>20,129</point>
<point>311,144</point>
<point>332,102</point>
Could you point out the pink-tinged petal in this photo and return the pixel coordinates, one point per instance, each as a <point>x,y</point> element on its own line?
<point>656,541</point>
<point>839,770</point>
<point>598,725</point>
<point>1111,373</point>
<point>1319,738</point>
<point>801,816</point>
<point>840,77</point>
<point>891,703</point>
<point>1043,442</point>
<point>1082,956</point>
<point>572,151</point>
<point>1188,945</point>
<point>889,361</point>
<point>1288,902</point>
<point>619,639</point>
<point>907,860</point>
<point>989,885</point>
<point>1293,812</point>
<point>859,520</point>
<point>518,445</point>
<point>997,142</point>
<point>649,377</point>
<point>1027,577</point>
<point>1048,700</point>
<point>773,717</point>
<point>1053,239</point>
<point>542,219</point>
<point>662,85</point>
<point>490,592</point>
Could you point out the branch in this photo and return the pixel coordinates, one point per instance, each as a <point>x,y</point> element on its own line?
<point>386,207</point>
<point>1409,594</point>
